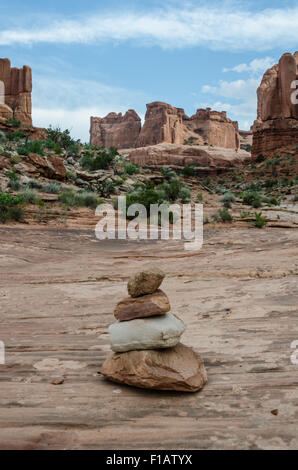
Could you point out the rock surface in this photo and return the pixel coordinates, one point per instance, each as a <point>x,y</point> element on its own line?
<point>142,307</point>
<point>18,88</point>
<point>145,282</point>
<point>277,124</point>
<point>147,333</point>
<point>177,369</point>
<point>206,159</point>
<point>115,130</point>
<point>165,124</point>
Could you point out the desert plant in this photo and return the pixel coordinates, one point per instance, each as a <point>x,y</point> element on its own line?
<point>52,188</point>
<point>225,215</point>
<point>131,168</point>
<point>252,199</point>
<point>189,170</point>
<point>260,220</point>
<point>33,184</point>
<point>29,195</point>
<point>11,208</point>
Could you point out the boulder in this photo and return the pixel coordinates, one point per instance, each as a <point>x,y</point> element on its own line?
<point>5,111</point>
<point>147,333</point>
<point>178,369</point>
<point>142,307</point>
<point>145,282</point>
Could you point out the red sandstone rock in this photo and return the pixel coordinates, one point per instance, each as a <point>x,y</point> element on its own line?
<point>165,124</point>
<point>178,368</point>
<point>277,124</point>
<point>115,130</point>
<point>18,87</point>
<point>51,167</point>
<point>142,307</point>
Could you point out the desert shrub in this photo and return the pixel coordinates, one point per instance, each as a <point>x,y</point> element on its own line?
<point>33,184</point>
<point>14,181</point>
<point>228,197</point>
<point>260,158</point>
<point>74,149</point>
<point>51,145</point>
<point>71,175</point>
<point>103,160</point>
<point>23,151</point>
<point>52,188</point>
<point>200,197</point>
<point>107,188</point>
<point>13,122</point>
<point>15,136</point>
<point>189,170</point>
<point>174,190</point>
<point>80,199</point>
<point>14,159</point>
<point>252,199</point>
<point>185,195</point>
<point>11,208</point>
<point>61,138</point>
<point>35,146</point>
<point>260,220</point>
<point>244,214</point>
<point>225,215</point>
<point>29,195</point>
<point>131,168</point>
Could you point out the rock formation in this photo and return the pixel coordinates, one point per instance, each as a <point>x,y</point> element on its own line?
<point>115,130</point>
<point>276,126</point>
<point>17,92</point>
<point>207,160</point>
<point>165,124</point>
<point>213,128</point>
<point>147,351</point>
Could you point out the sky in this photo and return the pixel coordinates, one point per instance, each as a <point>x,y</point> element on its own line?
<point>92,57</point>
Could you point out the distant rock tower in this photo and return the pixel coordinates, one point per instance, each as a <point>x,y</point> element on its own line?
<point>15,92</point>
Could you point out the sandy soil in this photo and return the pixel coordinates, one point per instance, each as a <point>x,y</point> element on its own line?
<point>238,297</point>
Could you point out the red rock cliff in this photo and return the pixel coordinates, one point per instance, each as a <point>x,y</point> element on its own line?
<point>17,92</point>
<point>277,124</point>
<point>115,130</point>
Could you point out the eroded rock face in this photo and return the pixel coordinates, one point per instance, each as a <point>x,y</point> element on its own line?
<point>142,307</point>
<point>146,333</point>
<point>213,128</point>
<point>115,130</point>
<point>207,160</point>
<point>18,88</point>
<point>277,124</point>
<point>145,282</point>
<point>178,369</point>
<point>165,124</point>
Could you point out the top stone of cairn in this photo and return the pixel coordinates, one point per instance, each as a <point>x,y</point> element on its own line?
<point>145,282</point>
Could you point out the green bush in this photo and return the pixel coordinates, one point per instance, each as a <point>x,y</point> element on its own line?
<point>52,188</point>
<point>101,161</point>
<point>131,168</point>
<point>29,195</point>
<point>61,138</point>
<point>252,199</point>
<point>189,170</point>
<point>23,151</point>
<point>185,195</point>
<point>80,199</point>
<point>13,122</point>
<point>33,184</point>
<point>260,220</point>
<point>11,207</point>
<point>225,215</point>
<point>228,197</point>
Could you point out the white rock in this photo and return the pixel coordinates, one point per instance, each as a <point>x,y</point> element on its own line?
<point>146,333</point>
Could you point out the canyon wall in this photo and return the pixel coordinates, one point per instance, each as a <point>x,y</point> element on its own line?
<point>165,124</point>
<point>276,127</point>
<point>16,99</point>
<point>115,130</point>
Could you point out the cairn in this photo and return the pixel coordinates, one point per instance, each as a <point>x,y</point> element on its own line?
<point>145,341</point>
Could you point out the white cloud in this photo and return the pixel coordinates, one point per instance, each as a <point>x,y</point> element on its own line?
<point>244,97</point>
<point>71,103</point>
<point>219,28</point>
<point>256,66</point>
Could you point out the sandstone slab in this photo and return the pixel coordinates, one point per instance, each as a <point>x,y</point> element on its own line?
<point>141,307</point>
<point>178,369</point>
<point>146,333</point>
<point>145,282</point>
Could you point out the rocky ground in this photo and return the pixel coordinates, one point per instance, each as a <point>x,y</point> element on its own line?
<point>238,297</point>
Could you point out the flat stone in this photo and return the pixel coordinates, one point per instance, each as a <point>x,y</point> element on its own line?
<point>178,369</point>
<point>141,307</point>
<point>147,333</point>
<point>145,282</point>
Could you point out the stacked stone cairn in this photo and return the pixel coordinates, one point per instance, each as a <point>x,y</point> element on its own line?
<point>146,341</point>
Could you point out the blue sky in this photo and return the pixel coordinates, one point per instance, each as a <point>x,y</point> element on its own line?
<point>93,57</point>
